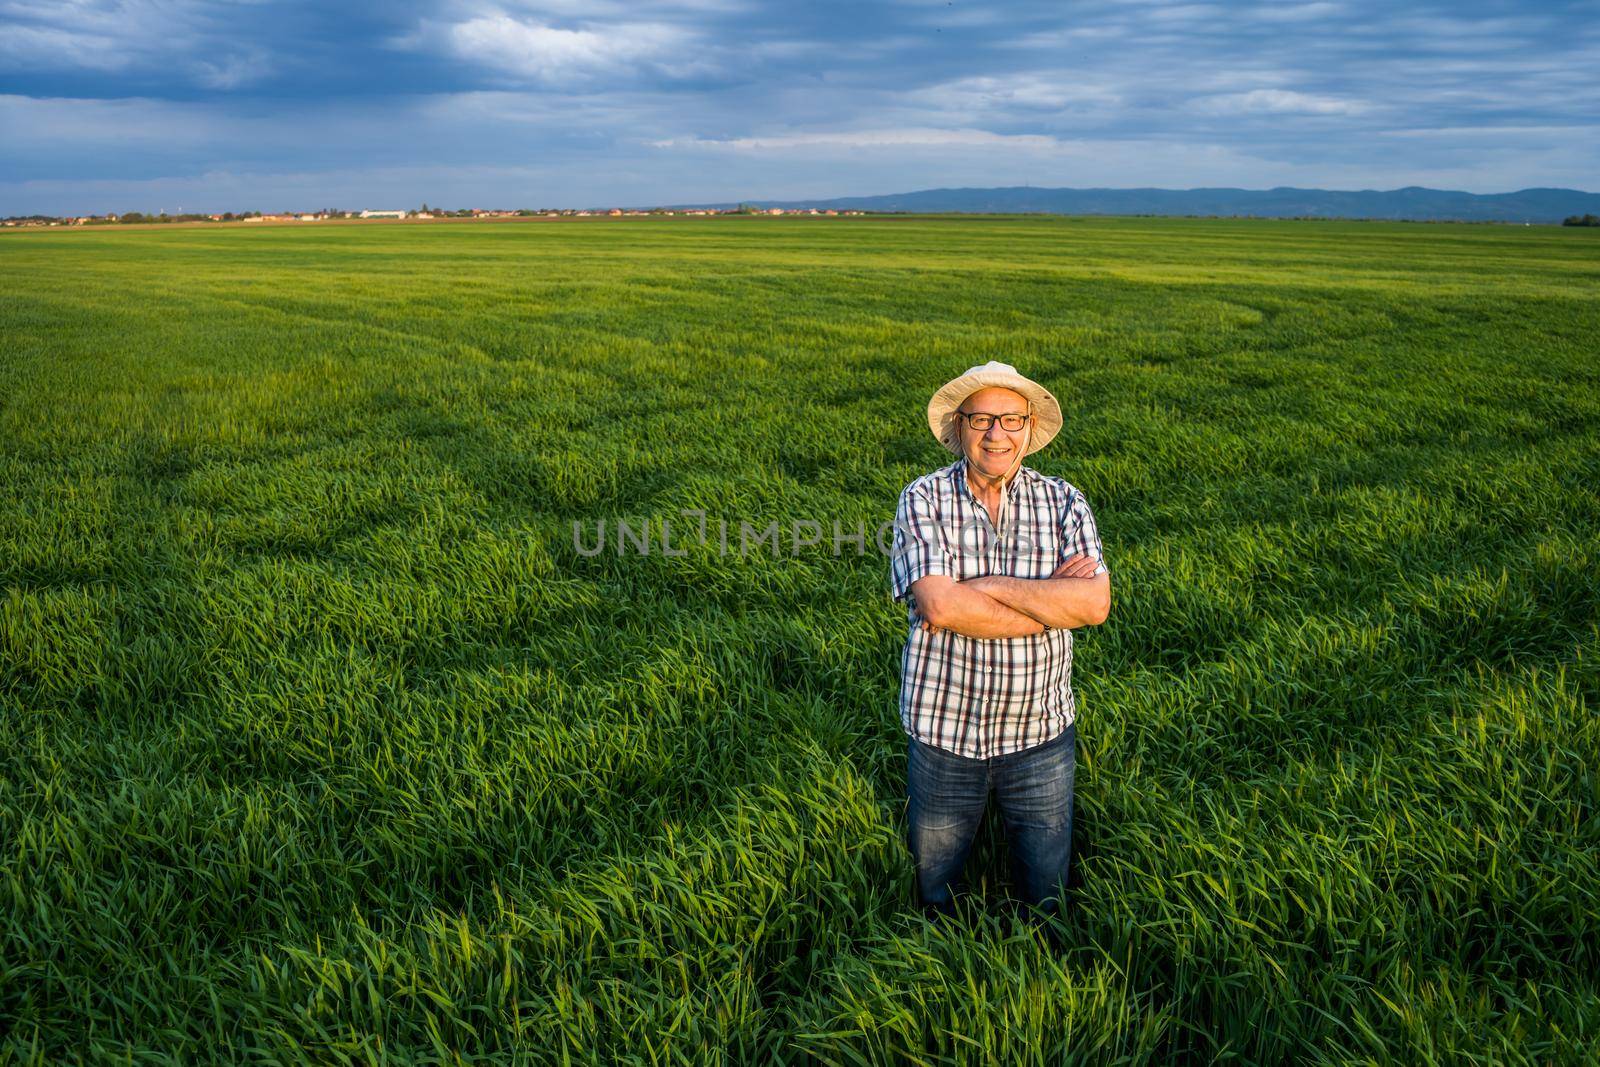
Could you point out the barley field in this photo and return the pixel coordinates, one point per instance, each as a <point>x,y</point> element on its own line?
<point>324,737</point>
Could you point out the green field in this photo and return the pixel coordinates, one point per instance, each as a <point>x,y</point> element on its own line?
<point>320,740</point>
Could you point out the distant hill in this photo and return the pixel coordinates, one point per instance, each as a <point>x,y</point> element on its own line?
<point>1412,202</point>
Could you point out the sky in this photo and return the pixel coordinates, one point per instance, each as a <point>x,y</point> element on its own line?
<point>169,105</point>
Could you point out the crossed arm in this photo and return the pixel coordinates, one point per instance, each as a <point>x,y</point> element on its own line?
<point>1001,606</point>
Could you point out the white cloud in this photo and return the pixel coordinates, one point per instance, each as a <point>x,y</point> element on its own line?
<point>1545,134</point>
<point>1181,13</point>
<point>597,9</point>
<point>1451,31</point>
<point>1015,92</point>
<point>893,138</point>
<point>1067,38</point>
<point>1277,102</point>
<point>493,109</point>
<point>1296,12</point>
<point>558,58</point>
<point>232,72</point>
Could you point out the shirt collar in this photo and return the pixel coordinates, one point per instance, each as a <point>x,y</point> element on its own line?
<point>959,473</point>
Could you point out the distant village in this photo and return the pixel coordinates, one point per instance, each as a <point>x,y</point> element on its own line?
<point>422,213</point>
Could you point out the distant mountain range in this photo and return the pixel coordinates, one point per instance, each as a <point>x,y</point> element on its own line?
<point>1412,202</point>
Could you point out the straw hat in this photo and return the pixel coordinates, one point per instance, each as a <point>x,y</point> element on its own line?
<point>1046,412</point>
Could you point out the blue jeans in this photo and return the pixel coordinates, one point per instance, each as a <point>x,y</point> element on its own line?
<point>948,794</point>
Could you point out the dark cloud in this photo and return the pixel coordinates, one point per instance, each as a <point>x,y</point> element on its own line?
<point>658,100</point>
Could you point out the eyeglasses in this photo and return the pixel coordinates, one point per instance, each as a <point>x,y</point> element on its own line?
<point>982,420</point>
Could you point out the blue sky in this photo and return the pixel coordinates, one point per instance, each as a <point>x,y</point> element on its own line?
<point>165,104</point>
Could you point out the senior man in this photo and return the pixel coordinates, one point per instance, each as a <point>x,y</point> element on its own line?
<point>997,565</point>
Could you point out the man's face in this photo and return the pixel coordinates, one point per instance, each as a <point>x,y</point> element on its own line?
<point>992,451</point>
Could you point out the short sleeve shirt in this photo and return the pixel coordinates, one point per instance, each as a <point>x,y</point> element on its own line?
<point>986,697</point>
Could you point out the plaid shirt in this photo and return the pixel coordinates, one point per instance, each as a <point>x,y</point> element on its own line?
<point>986,697</point>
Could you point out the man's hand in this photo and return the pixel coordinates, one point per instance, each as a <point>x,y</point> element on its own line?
<point>946,604</point>
<point>1071,597</point>
<point>1080,566</point>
